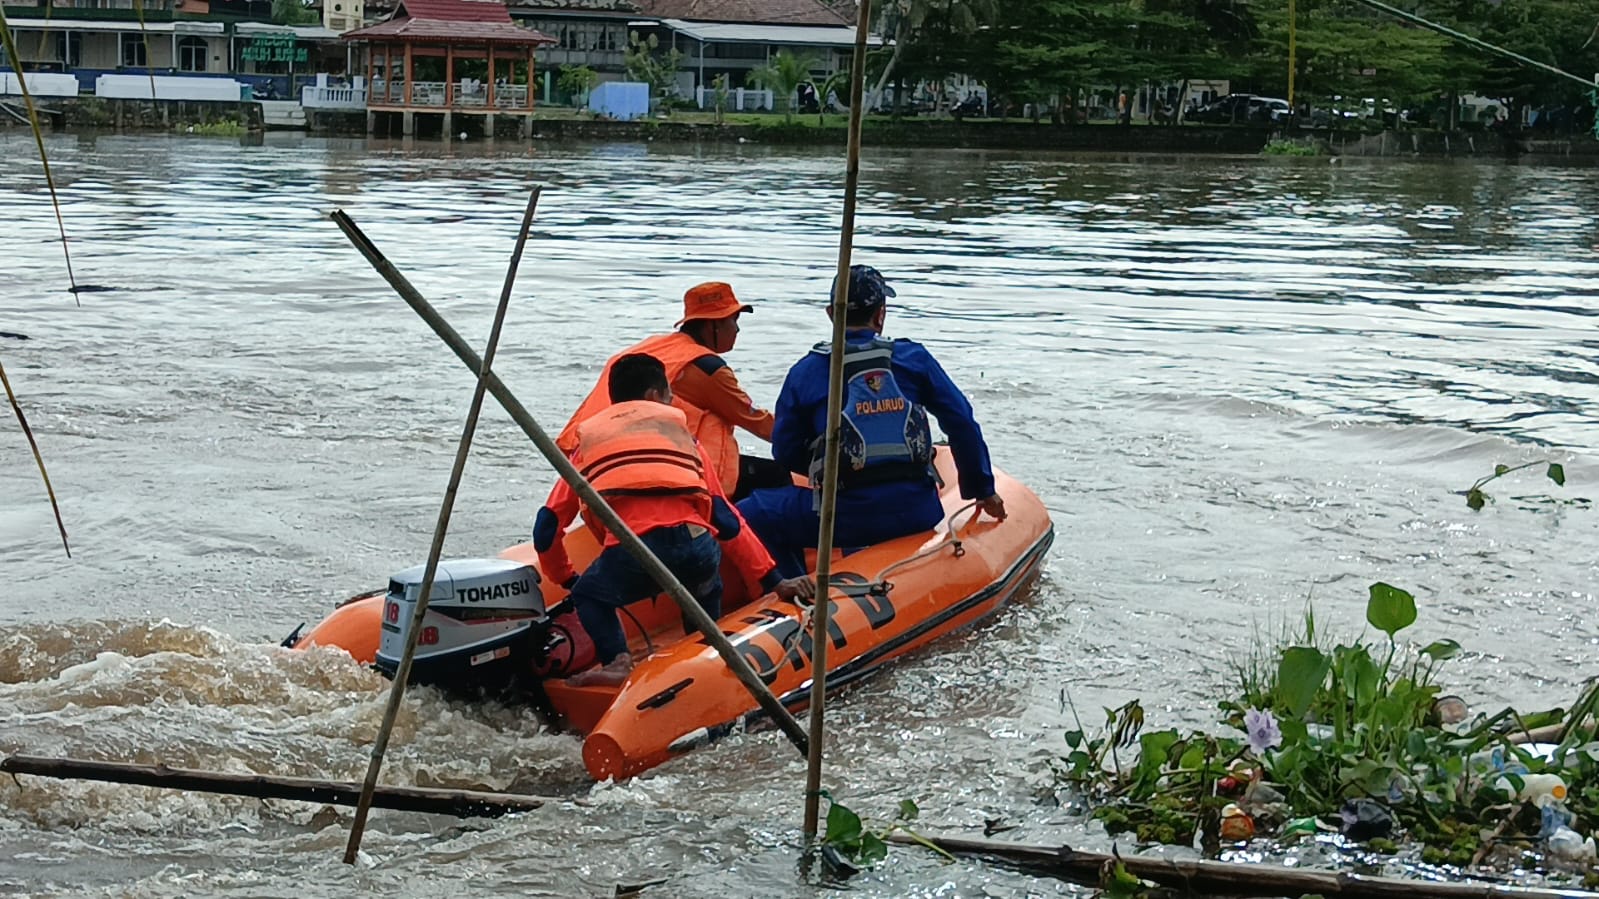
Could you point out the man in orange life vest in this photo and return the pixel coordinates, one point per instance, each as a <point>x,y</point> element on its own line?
<point>639,454</point>
<point>704,387</point>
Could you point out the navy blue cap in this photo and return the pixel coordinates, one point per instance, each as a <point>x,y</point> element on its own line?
<point>867,289</point>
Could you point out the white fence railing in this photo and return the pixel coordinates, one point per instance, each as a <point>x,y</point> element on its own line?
<point>467,94</point>
<point>315,97</point>
<point>738,99</point>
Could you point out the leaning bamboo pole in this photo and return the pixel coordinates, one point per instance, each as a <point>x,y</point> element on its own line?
<point>441,527</point>
<point>1196,877</point>
<point>10,46</point>
<point>691,608</point>
<point>835,402</point>
<point>431,800</point>
<point>38,458</point>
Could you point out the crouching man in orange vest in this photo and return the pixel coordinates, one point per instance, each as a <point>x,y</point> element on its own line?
<point>639,454</point>
<point>704,387</point>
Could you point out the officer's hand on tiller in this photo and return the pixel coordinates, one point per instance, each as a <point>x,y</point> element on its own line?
<point>993,505</point>
<point>795,588</point>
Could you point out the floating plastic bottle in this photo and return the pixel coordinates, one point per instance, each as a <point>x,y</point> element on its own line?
<point>1538,789</point>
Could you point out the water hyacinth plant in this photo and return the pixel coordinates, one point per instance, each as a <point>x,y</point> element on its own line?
<point>1338,728</point>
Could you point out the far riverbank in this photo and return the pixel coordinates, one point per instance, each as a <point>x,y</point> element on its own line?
<point>94,114</point>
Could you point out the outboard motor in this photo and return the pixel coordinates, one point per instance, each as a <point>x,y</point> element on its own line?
<point>483,628</point>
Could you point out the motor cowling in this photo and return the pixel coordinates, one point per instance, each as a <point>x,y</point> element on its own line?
<point>481,628</point>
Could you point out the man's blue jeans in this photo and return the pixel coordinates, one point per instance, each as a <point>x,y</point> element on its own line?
<point>615,579</point>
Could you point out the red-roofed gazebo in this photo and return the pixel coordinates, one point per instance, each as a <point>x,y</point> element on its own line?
<point>449,56</point>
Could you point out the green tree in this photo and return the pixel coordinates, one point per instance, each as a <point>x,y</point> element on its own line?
<point>1347,50</point>
<point>644,63</point>
<point>782,75</point>
<point>838,83</point>
<point>923,28</point>
<point>292,12</point>
<point>576,82</point>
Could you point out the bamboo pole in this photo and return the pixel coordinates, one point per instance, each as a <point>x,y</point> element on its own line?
<point>10,46</point>
<point>462,450</point>
<point>835,402</point>
<point>563,466</point>
<point>1195,877</point>
<point>460,803</point>
<point>38,458</point>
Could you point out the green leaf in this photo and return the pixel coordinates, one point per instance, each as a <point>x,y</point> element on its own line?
<point>1390,609</point>
<point>1074,738</point>
<point>1475,499</point>
<point>843,827</point>
<point>1118,883</point>
<point>873,849</point>
<point>1500,469</point>
<point>1557,473</point>
<point>1299,676</point>
<point>908,810</point>
<point>1441,649</point>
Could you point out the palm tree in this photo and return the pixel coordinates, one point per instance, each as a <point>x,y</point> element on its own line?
<point>782,75</point>
<point>837,82</point>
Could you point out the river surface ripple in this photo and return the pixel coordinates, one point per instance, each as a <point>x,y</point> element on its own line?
<point>1238,384</point>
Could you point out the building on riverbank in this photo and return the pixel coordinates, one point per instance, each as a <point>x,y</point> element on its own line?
<point>179,38</point>
<point>715,38</point>
<point>442,58</point>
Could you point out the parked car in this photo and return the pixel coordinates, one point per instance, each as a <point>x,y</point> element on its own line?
<point>1269,109</point>
<point>1242,109</point>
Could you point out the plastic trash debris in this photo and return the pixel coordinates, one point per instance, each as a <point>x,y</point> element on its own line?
<point>1300,827</point>
<point>1236,825</point>
<point>1260,792</point>
<point>1538,789</point>
<point>1568,847</point>
<point>1365,819</point>
<point>1451,710</point>
<point>837,864</point>
<point>1553,817</point>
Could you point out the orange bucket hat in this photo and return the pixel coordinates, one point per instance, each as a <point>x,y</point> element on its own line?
<point>712,300</point>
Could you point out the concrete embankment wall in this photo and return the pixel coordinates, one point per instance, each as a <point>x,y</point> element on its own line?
<point>96,113</point>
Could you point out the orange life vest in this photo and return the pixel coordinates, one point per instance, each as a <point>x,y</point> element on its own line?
<point>676,351</point>
<point>642,448</point>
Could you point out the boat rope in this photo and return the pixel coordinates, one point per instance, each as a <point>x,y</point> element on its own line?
<point>881,585</point>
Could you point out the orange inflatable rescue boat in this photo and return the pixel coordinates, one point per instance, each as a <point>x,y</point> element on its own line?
<point>495,623</point>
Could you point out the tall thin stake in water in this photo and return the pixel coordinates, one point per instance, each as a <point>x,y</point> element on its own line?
<point>38,458</point>
<point>10,45</point>
<point>835,403</point>
<point>464,449</point>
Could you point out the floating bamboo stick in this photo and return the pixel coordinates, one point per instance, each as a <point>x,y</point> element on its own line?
<point>563,466</point>
<point>835,401</point>
<point>461,803</point>
<point>442,526</point>
<point>1228,878</point>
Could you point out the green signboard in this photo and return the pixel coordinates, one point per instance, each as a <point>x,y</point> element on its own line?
<point>273,48</point>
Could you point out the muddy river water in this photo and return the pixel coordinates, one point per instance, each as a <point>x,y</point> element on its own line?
<point>1239,385</point>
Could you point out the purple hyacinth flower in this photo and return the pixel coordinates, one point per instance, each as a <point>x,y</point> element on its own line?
<point>1261,731</point>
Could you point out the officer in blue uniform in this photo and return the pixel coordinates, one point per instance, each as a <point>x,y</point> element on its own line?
<point>887,487</point>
